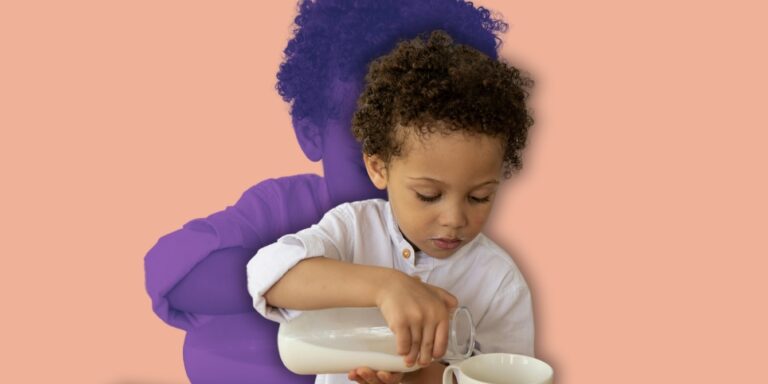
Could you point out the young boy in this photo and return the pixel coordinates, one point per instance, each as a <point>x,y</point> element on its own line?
<point>440,125</point>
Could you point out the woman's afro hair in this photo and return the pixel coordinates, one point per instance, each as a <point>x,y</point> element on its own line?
<point>336,39</point>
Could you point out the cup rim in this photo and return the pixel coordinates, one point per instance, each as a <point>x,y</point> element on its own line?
<point>548,368</point>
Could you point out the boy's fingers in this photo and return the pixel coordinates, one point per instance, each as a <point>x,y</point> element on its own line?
<point>368,375</point>
<point>403,338</point>
<point>414,347</point>
<point>384,376</point>
<point>441,340</point>
<point>395,378</point>
<point>353,376</point>
<point>427,344</point>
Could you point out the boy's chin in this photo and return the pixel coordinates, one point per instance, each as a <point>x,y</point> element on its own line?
<point>439,253</point>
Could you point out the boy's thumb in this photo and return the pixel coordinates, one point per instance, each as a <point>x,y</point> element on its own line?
<point>450,300</point>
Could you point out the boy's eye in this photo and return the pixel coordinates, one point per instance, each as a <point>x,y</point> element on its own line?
<point>427,198</point>
<point>480,199</point>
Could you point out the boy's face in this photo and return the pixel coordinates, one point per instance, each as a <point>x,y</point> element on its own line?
<point>441,188</point>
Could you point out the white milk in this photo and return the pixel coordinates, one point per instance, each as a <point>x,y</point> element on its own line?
<point>339,340</point>
<point>304,357</point>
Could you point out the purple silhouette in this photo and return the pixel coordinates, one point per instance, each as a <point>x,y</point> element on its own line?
<point>196,276</point>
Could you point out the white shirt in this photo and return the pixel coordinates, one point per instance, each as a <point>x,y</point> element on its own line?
<point>481,275</point>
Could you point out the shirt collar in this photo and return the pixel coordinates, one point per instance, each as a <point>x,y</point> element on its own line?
<point>403,249</point>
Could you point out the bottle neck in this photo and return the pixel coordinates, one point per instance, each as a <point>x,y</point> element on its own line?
<point>461,335</point>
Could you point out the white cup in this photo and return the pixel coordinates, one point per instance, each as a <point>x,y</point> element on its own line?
<point>500,368</point>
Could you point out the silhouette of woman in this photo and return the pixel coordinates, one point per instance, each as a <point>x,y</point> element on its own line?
<point>196,276</point>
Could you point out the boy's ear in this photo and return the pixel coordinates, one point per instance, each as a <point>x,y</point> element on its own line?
<point>310,138</point>
<point>377,170</point>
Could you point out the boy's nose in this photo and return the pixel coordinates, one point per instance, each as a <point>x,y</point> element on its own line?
<point>453,217</point>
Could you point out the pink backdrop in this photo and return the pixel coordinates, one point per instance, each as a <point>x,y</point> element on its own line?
<point>639,219</point>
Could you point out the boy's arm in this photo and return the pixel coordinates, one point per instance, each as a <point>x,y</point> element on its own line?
<point>289,275</point>
<point>417,313</point>
<point>321,282</point>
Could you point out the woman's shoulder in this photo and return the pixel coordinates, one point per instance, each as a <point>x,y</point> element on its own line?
<point>291,184</point>
<point>289,203</point>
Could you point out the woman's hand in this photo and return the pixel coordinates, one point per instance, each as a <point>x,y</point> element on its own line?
<point>417,313</point>
<point>365,375</point>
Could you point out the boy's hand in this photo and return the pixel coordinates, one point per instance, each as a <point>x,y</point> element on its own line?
<point>429,374</point>
<point>366,375</point>
<point>417,313</point>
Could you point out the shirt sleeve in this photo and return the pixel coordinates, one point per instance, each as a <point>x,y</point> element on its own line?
<point>180,267</point>
<point>508,325</point>
<point>332,237</point>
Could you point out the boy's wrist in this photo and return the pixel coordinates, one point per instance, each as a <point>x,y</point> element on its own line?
<point>386,279</point>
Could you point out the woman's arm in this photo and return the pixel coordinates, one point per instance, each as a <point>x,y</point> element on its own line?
<point>216,285</point>
<point>200,268</point>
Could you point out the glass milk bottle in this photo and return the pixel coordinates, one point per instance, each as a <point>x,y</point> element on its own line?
<point>341,339</point>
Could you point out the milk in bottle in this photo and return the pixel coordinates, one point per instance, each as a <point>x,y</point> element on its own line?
<point>341,339</point>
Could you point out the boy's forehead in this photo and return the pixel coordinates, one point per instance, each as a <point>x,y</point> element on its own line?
<point>444,156</point>
<point>436,133</point>
<point>420,134</point>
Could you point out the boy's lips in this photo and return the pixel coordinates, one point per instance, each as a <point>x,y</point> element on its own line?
<point>446,243</point>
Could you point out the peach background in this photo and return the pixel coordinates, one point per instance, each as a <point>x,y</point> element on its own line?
<point>639,220</point>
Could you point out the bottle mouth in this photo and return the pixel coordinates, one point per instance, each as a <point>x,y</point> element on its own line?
<point>462,335</point>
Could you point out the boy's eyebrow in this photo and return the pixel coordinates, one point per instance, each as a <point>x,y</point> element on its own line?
<point>486,183</point>
<point>494,181</point>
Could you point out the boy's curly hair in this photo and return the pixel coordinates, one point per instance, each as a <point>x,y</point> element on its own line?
<point>336,39</point>
<point>432,80</point>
